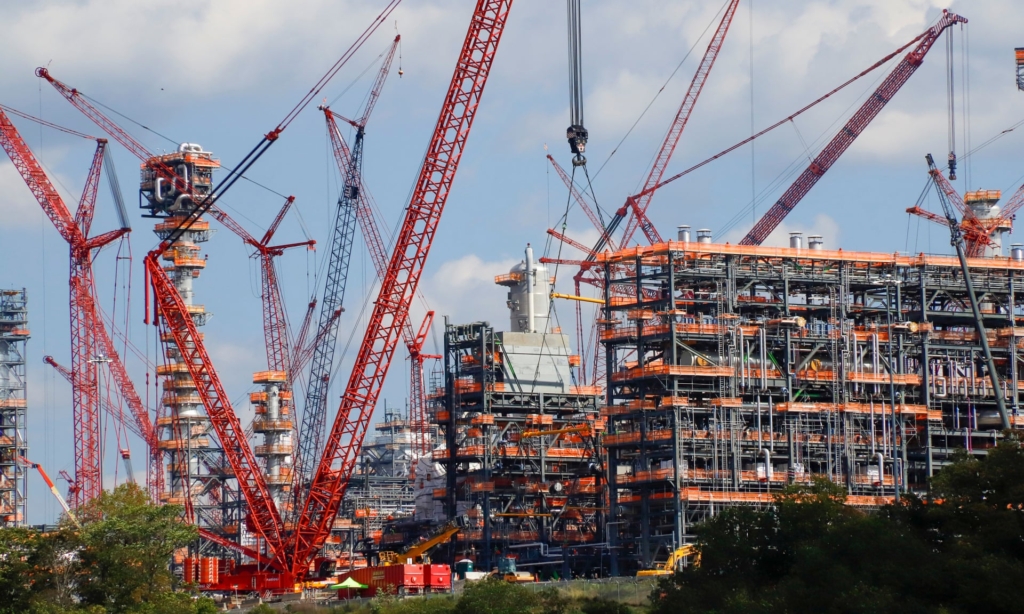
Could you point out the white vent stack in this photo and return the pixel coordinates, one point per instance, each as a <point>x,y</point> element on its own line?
<point>1017,252</point>
<point>704,235</point>
<point>528,296</point>
<point>796,240</point>
<point>683,233</point>
<point>815,242</point>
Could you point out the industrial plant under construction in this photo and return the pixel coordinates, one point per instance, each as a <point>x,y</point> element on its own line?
<point>713,374</point>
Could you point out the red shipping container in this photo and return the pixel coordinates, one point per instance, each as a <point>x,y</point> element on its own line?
<point>402,579</point>
<point>437,578</point>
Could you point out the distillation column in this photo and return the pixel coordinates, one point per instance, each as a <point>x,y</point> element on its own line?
<point>274,421</point>
<point>196,470</point>
<point>13,444</point>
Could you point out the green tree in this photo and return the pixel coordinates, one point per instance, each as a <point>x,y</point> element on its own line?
<point>959,550</point>
<point>496,597</point>
<point>126,544</point>
<point>16,570</point>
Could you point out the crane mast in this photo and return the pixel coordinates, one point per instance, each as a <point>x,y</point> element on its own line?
<point>956,239</point>
<point>398,288</point>
<point>849,133</point>
<point>314,414</point>
<point>89,336</point>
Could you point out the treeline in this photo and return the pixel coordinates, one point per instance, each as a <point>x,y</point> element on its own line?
<point>960,549</point>
<point>116,563</point>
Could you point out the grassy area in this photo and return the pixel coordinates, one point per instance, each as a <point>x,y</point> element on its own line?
<point>608,596</point>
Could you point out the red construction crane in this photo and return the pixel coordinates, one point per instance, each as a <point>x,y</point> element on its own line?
<point>849,133</point>
<point>675,131</point>
<point>977,232</point>
<point>314,413</point>
<point>391,308</point>
<point>89,336</point>
<point>417,392</point>
<point>582,202</point>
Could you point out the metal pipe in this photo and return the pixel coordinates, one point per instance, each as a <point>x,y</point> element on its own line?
<point>529,289</point>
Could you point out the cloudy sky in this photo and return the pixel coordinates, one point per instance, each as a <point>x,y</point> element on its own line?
<point>223,73</point>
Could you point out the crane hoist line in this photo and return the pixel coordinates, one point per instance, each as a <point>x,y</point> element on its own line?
<point>638,203</point>
<point>576,134</point>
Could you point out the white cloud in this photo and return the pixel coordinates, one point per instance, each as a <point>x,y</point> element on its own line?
<point>19,209</point>
<point>464,290</point>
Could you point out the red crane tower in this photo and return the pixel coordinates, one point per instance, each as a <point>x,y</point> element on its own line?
<point>979,231</point>
<point>399,286</point>
<point>89,337</point>
<point>849,133</point>
<point>417,391</point>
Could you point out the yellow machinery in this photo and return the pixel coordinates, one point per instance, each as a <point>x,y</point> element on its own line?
<point>582,429</point>
<point>506,571</point>
<point>669,567</point>
<point>415,554</point>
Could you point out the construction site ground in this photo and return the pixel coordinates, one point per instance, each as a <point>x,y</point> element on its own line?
<point>628,591</point>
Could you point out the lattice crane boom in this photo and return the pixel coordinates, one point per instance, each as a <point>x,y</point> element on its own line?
<point>849,132</point>
<point>266,519</point>
<point>314,413</point>
<point>675,131</point>
<point>400,283</point>
<point>957,241</point>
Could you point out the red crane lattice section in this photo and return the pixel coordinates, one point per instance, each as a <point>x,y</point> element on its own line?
<point>849,133</point>
<point>399,285</point>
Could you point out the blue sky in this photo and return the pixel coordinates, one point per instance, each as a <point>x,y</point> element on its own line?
<point>221,74</point>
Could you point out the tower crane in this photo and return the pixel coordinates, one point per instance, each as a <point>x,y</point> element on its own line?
<point>314,413</point>
<point>849,132</point>
<point>391,309</point>
<point>956,239</point>
<point>275,323</point>
<point>417,391</point>
<point>89,336</point>
<point>977,232</point>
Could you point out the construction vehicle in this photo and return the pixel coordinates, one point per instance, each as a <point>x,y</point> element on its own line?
<point>670,566</point>
<point>418,552</point>
<point>53,489</point>
<point>506,570</point>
